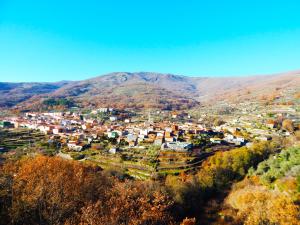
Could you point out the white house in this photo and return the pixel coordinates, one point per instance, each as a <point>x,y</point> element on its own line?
<point>178,146</point>
<point>113,118</point>
<point>73,145</point>
<point>144,132</point>
<point>113,150</point>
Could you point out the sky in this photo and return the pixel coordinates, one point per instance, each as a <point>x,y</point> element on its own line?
<point>53,40</point>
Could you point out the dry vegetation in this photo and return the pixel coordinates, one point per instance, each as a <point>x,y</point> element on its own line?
<point>51,190</point>
<point>148,90</point>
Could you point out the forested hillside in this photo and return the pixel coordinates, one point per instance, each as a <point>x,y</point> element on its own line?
<point>51,190</point>
<point>148,90</point>
<point>270,194</point>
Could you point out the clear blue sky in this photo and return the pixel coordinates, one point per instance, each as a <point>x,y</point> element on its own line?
<point>51,40</point>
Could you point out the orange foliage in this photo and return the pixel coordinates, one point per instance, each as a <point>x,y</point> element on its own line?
<point>288,125</point>
<point>129,204</point>
<point>188,221</point>
<point>258,205</point>
<point>44,190</point>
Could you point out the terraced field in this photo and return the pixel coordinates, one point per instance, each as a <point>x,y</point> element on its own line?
<point>143,163</point>
<point>12,139</point>
<point>135,162</point>
<point>171,162</point>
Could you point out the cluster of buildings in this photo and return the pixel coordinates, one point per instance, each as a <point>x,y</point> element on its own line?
<point>77,131</point>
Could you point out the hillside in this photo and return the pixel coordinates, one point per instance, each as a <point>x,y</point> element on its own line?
<point>14,93</point>
<point>250,88</point>
<point>149,90</point>
<point>133,89</point>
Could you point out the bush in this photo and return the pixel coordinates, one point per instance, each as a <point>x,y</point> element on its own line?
<point>78,157</point>
<point>279,165</point>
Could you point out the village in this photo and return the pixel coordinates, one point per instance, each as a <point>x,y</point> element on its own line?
<point>143,144</point>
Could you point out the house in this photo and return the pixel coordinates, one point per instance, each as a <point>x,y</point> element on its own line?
<point>175,127</point>
<point>103,110</point>
<point>264,138</point>
<point>168,134</point>
<point>6,124</point>
<point>30,115</point>
<point>229,137</point>
<point>144,132</point>
<point>169,129</point>
<point>160,134</point>
<point>215,140</point>
<point>271,124</point>
<point>178,146</point>
<point>240,139</point>
<point>89,139</point>
<point>16,124</point>
<point>174,115</point>
<point>113,118</point>
<point>58,130</point>
<point>112,134</point>
<point>113,150</point>
<point>141,136</point>
<point>140,139</point>
<point>131,137</point>
<point>45,129</point>
<point>132,140</point>
<point>75,146</point>
<point>158,141</point>
<point>170,139</point>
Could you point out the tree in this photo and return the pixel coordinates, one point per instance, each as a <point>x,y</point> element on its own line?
<point>200,140</point>
<point>51,190</point>
<point>297,135</point>
<point>218,121</point>
<point>189,221</point>
<point>288,125</point>
<point>129,203</point>
<point>220,170</point>
<point>258,205</point>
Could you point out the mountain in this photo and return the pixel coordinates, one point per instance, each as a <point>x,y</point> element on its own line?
<point>14,93</point>
<point>134,89</point>
<point>245,88</point>
<point>145,89</point>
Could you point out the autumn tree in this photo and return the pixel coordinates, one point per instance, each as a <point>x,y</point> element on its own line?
<point>48,190</point>
<point>258,205</point>
<point>288,125</point>
<point>129,203</point>
<point>51,190</point>
<point>220,170</point>
<point>188,221</point>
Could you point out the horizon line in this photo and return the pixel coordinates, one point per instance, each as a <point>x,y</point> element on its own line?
<point>163,73</point>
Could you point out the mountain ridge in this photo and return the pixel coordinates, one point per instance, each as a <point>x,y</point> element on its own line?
<point>146,89</point>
